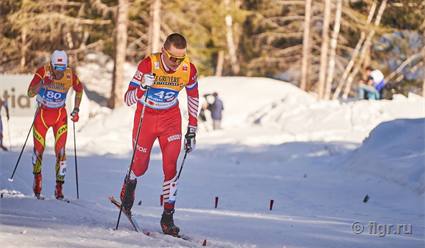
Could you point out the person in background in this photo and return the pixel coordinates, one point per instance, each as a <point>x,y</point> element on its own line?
<point>3,103</point>
<point>371,87</point>
<point>50,85</point>
<point>216,108</point>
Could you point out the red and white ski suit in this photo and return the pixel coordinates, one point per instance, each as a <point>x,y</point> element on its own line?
<point>162,118</point>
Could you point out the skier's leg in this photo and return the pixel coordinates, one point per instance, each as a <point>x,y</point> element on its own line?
<point>141,158</point>
<point>39,134</point>
<point>60,129</point>
<point>170,143</point>
<point>170,147</point>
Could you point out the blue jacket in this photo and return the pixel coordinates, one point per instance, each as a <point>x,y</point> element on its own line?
<point>216,109</point>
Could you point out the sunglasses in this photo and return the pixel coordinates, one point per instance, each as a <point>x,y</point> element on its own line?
<point>59,67</point>
<point>175,59</point>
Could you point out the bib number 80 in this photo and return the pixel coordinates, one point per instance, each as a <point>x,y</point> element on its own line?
<point>53,95</point>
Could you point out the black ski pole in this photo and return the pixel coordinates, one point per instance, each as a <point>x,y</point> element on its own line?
<point>134,152</point>
<point>181,167</point>
<point>23,147</point>
<point>75,159</point>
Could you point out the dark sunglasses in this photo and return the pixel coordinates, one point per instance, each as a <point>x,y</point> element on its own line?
<point>175,59</point>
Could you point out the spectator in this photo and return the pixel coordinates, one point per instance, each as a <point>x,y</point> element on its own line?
<point>3,104</point>
<point>372,87</point>
<point>216,109</point>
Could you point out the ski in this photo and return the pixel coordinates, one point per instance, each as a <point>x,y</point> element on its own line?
<point>64,200</point>
<point>42,198</point>
<point>128,215</point>
<point>153,234</point>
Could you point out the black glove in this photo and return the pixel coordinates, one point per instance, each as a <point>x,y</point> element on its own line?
<point>189,139</point>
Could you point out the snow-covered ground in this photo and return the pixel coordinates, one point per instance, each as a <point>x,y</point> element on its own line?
<point>316,160</point>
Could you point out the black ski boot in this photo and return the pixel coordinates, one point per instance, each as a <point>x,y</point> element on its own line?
<point>167,223</point>
<point>127,194</point>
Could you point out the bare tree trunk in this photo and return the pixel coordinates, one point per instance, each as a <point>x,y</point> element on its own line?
<point>356,51</point>
<point>220,62</point>
<point>24,47</point>
<point>324,49</point>
<point>156,26</point>
<point>334,42</point>
<point>230,42</point>
<point>421,54</point>
<point>423,87</point>
<point>306,47</point>
<point>117,89</point>
<point>365,48</point>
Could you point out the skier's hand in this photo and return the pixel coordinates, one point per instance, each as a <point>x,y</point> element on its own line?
<point>74,115</point>
<point>148,81</point>
<point>47,80</point>
<point>189,139</point>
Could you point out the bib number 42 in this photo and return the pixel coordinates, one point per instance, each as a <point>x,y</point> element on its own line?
<point>166,96</point>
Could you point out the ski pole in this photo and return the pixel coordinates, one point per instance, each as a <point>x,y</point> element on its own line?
<point>75,159</point>
<point>134,151</point>
<point>181,167</point>
<point>23,147</point>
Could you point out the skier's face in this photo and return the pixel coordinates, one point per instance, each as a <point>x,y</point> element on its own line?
<point>58,71</point>
<point>173,56</point>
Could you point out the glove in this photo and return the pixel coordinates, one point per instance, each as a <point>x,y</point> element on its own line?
<point>148,81</point>
<point>189,139</point>
<point>47,80</point>
<point>74,115</point>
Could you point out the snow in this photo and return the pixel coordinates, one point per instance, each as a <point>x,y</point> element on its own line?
<point>316,159</point>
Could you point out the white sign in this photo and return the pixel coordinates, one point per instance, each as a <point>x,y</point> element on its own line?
<point>13,89</point>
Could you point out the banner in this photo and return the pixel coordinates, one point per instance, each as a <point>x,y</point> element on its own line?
<point>13,89</point>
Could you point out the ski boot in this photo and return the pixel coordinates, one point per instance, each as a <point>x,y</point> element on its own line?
<point>167,223</point>
<point>127,194</point>
<point>37,185</point>
<point>58,190</point>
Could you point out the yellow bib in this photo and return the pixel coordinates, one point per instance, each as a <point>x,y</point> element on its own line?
<point>53,95</point>
<point>163,94</point>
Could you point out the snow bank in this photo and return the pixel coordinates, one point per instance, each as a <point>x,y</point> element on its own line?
<point>334,120</point>
<point>245,96</point>
<point>294,115</point>
<point>394,150</point>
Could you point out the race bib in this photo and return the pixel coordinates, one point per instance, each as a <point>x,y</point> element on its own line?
<point>51,98</point>
<point>159,98</point>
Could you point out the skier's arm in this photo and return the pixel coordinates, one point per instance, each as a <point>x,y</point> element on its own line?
<point>78,88</point>
<point>36,82</point>
<point>192,97</point>
<point>135,91</point>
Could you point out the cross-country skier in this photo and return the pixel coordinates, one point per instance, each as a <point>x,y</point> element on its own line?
<point>50,84</point>
<point>156,84</point>
<point>3,104</point>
